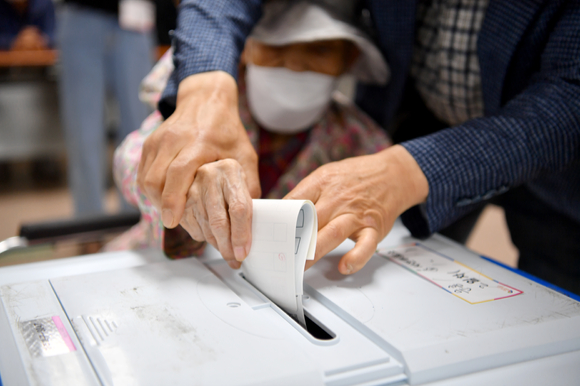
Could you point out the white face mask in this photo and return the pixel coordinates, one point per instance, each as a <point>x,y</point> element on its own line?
<point>285,101</point>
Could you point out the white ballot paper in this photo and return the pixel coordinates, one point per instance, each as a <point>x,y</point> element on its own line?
<point>283,238</point>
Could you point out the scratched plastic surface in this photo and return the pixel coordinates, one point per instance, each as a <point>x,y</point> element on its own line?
<point>165,333</point>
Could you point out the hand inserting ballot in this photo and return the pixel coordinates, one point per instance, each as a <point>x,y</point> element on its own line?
<point>357,198</point>
<point>219,210</point>
<point>204,128</point>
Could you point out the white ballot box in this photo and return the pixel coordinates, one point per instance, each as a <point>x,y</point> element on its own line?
<point>419,313</point>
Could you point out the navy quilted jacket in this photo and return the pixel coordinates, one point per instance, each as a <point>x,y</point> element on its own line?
<point>529,53</point>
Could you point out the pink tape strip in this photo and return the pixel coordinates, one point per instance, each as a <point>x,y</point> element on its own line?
<point>63,333</point>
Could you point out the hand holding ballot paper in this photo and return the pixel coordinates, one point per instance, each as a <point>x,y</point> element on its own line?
<point>280,235</point>
<point>219,210</point>
<point>355,198</point>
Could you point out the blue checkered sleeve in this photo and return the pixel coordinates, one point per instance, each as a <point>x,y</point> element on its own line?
<point>210,36</point>
<point>535,134</point>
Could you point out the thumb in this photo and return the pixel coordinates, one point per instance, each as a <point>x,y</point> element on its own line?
<point>307,189</point>
<point>366,240</point>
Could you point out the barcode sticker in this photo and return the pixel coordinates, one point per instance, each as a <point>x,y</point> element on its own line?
<point>46,337</point>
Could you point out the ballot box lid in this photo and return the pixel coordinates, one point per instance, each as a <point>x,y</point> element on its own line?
<point>195,321</point>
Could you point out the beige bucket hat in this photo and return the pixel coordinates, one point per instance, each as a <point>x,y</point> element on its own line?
<point>285,22</point>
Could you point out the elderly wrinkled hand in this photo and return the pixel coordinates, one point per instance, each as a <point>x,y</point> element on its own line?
<point>219,210</point>
<point>360,198</point>
<point>204,128</point>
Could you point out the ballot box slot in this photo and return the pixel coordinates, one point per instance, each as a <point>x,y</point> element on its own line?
<point>316,331</point>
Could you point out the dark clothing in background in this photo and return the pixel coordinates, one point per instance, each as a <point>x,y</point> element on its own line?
<point>40,14</point>
<point>165,20</point>
<point>111,6</point>
<point>548,241</point>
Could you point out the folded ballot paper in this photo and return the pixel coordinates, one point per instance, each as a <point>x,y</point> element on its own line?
<point>283,238</point>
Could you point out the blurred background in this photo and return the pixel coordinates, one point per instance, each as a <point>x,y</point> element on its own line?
<point>45,97</point>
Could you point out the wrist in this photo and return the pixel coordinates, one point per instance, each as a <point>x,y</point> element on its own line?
<point>217,88</point>
<point>411,182</point>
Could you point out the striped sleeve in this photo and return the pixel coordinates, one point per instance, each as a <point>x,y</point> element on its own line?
<point>534,135</point>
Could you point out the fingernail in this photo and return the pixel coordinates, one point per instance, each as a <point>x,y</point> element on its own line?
<point>348,269</point>
<point>167,218</point>
<point>239,253</point>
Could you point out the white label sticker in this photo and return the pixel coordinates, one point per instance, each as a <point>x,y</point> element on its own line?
<point>452,276</point>
<point>46,337</point>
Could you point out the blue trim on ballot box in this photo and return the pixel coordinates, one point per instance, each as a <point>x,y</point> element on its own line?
<point>534,278</point>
